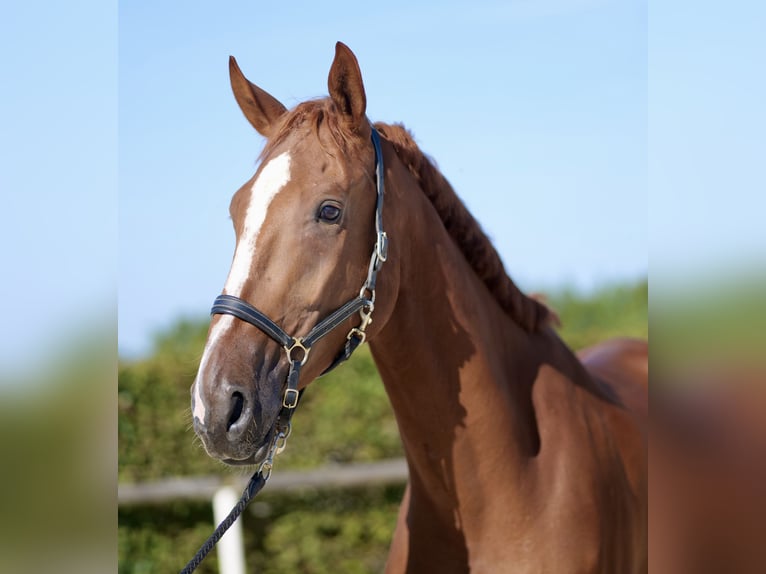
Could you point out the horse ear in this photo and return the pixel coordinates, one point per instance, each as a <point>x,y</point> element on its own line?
<point>261,109</point>
<point>346,87</point>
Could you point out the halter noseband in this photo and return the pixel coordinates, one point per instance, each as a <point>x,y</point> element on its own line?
<point>297,349</point>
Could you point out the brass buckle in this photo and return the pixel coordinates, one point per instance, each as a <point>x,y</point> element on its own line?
<point>293,394</point>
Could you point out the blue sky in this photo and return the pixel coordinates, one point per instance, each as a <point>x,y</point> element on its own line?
<point>58,176</point>
<point>535,111</point>
<point>707,140</point>
<point>589,137</point>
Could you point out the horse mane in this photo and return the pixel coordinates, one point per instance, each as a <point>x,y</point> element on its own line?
<point>529,313</point>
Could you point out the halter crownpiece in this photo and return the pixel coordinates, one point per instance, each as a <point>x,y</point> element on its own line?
<point>297,350</point>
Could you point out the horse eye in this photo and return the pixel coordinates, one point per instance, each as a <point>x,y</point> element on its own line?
<point>329,213</point>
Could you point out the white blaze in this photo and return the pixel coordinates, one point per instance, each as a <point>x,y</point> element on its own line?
<point>221,326</point>
<point>273,177</point>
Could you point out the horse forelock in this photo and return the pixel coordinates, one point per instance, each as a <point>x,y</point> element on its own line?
<point>313,115</point>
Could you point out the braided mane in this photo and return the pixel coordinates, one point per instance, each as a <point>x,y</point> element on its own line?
<point>478,250</point>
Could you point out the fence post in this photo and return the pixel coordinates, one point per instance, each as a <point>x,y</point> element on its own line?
<point>230,549</point>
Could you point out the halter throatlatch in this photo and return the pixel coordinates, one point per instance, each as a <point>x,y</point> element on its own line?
<point>297,350</point>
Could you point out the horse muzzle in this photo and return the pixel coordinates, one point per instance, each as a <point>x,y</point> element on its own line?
<point>231,423</point>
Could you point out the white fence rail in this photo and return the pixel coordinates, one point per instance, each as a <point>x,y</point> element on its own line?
<point>225,491</point>
<point>392,471</point>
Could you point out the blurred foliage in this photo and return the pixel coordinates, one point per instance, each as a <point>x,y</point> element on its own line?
<point>721,320</point>
<point>162,539</point>
<point>57,434</point>
<point>312,532</point>
<point>616,311</point>
<point>325,532</point>
<point>344,418</point>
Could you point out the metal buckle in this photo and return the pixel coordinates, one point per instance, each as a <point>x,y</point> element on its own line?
<point>381,246</point>
<point>293,394</point>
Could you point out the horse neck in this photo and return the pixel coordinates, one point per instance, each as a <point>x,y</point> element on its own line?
<point>457,369</point>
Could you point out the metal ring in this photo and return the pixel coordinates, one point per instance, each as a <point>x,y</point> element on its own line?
<point>363,292</point>
<point>281,442</point>
<point>297,344</point>
<point>361,335</point>
<point>265,469</point>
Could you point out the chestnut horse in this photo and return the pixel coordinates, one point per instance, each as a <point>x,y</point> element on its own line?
<point>522,457</point>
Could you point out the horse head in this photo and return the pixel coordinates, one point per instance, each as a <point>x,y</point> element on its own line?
<point>305,227</point>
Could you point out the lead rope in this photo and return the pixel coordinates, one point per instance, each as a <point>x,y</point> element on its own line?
<point>255,485</point>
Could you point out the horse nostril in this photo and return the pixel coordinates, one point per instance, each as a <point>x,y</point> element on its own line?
<point>236,409</point>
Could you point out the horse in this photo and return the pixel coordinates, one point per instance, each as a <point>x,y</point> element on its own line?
<point>708,461</point>
<point>522,455</point>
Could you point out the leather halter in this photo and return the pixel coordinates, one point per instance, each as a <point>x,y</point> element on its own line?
<point>297,349</point>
